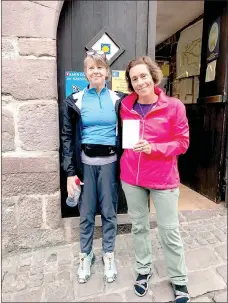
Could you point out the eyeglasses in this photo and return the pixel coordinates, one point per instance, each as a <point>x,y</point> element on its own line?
<point>96,52</point>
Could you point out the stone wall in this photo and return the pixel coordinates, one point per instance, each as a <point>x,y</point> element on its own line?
<point>31,211</point>
<point>31,207</point>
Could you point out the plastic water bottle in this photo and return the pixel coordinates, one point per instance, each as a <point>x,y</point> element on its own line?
<point>73,201</point>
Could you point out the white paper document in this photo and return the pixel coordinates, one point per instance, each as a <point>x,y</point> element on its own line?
<point>130,133</point>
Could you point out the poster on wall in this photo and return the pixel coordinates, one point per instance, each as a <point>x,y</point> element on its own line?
<point>210,71</point>
<point>213,41</point>
<point>189,51</point>
<point>74,82</point>
<point>118,81</point>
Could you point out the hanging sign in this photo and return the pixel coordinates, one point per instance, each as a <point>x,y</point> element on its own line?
<point>119,82</point>
<point>213,41</point>
<point>74,82</point>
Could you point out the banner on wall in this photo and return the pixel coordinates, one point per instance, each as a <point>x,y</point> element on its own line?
<point>74,82</point>
<point>118,81</point>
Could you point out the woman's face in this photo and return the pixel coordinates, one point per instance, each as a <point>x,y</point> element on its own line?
<point>96,74</point>
<point>141,80</point>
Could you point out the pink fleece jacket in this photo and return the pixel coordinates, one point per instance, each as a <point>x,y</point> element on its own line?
<point>165,127</point>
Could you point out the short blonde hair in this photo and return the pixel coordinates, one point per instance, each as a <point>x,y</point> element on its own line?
<point>100,60</point>
<point>152,66</point>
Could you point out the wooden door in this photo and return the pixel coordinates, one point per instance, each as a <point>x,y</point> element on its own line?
<point>203,166</point>
<point>80,22</point>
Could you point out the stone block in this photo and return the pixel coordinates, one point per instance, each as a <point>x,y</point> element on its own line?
<point>51,267</point>
<point>9,47</point>
<point>30,183</point>
<point>8,287</point>
<point>223,220</point>
<point>7,297</point>
<point>9,229</point>
<point>29,78</point>
<point>125,279</point>
<point>222,251</point>
<point>75,234</point>
<point>132,297</point>
<point>59,291</point>
<point>201,240</point>
<point>51,258</point>
<point>49,277</point>
<point>29,212</point>
<point>53,210</point>
<point>222,271</point>
<point>38,127</point>
<point>8,202</point>
<point>202,299</point>
<point>65,255</point>
<point>38,238</point>
<point>28,19</point>
<point>200,258</point>
<point>25,262</point>
<point>221,297</point>
<point>193,215</point>
<point>9,225</point>
<point>162,292</point>
<point>213,240</point>
<point>201,282</point>
<point>113,297</point>
<point>210,227</point>
<point>8,131</point>
<point>220,235</point>
<point>63,275</point>
<point>94,286</point>
<point>37,47</point>
<point>41,164</point>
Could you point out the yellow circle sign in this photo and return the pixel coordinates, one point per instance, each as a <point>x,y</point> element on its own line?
<point>213,37</point>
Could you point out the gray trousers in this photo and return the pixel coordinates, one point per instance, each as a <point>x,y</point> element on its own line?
<point>100,186</point>
<point>166,205</point>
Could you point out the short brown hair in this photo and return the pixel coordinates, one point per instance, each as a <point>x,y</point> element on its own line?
<point>153,68</point>
<point>100,60</point>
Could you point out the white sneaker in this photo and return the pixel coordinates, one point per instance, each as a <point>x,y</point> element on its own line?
<point>84,269</point>
<point>110,272</point>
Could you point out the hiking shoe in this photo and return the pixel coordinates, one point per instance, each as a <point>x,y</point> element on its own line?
<point>181,293</point>
<point>110,272</point>
<point>84,269</point>
<point>141,284</point>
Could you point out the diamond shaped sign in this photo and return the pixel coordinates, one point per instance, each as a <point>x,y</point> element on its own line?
<point>107,43</point>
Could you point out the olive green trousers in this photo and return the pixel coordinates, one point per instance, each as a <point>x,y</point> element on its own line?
<point>166,206</point>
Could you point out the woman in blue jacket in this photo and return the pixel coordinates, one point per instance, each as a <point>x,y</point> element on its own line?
<point>91,151</point>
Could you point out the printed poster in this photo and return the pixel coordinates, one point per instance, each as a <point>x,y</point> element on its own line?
<point>118,81</point>
<point>74,82</point>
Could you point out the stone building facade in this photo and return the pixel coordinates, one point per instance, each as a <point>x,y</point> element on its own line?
<point>31,210</point>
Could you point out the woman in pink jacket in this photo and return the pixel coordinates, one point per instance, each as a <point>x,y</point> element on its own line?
<point>150,168</point>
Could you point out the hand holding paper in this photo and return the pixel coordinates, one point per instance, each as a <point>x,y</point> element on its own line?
<point>131,130</point>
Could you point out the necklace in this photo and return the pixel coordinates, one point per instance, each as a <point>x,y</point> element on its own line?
<point>143,115</point>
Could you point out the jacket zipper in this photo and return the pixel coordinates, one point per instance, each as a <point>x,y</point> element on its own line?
<point>137,175</point>
<point>73,106</point>
<point>141,119</point>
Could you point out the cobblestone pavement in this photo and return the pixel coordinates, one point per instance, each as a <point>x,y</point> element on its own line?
<point>49,274</point>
